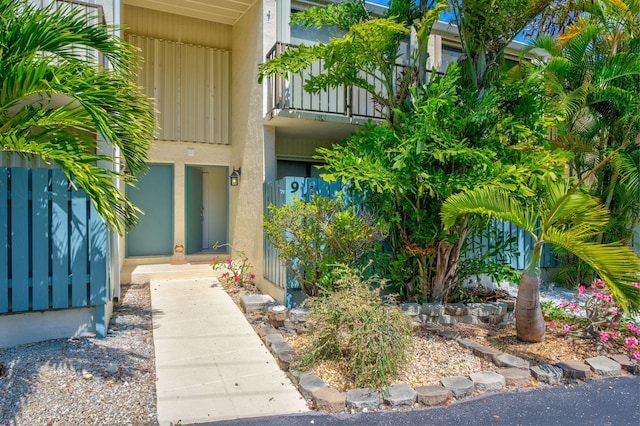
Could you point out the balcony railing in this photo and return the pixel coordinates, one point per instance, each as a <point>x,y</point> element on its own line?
<point>344,100</point>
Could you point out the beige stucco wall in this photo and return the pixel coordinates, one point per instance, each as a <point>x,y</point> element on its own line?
<point>253,35</point>
<point>180,155</point>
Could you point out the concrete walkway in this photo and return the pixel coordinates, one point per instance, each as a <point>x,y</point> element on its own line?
<point>210,363</point>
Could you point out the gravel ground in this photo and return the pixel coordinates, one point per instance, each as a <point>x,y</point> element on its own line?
<point>86,381</point>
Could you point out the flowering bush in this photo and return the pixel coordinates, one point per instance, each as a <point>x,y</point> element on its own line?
<point>237,272</point>
<point>599,318</point>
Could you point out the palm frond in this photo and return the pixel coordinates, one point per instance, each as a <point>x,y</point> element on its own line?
<point>617,265</point>
<point>489,201</point>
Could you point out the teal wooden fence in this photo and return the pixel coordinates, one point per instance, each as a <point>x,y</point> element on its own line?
<point>283,192</point>
<point>53,245</point>
<point>279,193</point>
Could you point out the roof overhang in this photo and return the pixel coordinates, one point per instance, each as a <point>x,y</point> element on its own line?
<point>221,11</point>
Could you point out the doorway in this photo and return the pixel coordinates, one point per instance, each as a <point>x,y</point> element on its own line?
<point>206,212</point>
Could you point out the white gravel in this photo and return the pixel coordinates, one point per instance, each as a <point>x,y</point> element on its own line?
<point>86,381</point>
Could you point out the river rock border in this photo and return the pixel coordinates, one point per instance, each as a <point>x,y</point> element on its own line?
<point>271,321</point>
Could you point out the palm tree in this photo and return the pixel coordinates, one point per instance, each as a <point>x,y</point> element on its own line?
<point>566,217</point>
<point>594,74</point>
<point>57,100</point>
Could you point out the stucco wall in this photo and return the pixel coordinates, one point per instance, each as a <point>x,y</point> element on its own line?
<point>180,155</point>
<point>253,35</point>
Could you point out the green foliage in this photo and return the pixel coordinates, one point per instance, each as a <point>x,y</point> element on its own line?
<point>57,102</point>
<point>352,323</point>
<point>313,237</point>
<point>554,312</point>
<point>365,55</point>
<point>594,75</point>
<point>565,216</point>
<point>450,141</point>
<point>237,271</point>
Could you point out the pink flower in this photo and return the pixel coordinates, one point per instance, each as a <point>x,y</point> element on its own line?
<point>604,336</point>
<point>253,277</point>
<point>581,290</point>
<point>224,275</point>
<point>635,354</point>
<point>228,261</point>
<point>215,259</point>
<point>564,303</point>
<point>632,327</point>
<point>630,342</point>
<point>235,278</point>
<point>636,284</point>
<point>566,327</point>
<point>614,311</point>
<point>600,283</point>
<point>573,306</point>
<point>552,323</point>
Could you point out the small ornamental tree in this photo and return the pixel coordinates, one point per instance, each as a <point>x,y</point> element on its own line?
<point>564,216</point>
<point>313,237</point>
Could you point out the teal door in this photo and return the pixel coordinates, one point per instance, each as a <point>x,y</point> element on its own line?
<point>195,210</point>
<point>154,196</point>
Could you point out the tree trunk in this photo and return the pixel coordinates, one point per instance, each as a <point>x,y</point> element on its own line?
<point>447,259</point>
<point>530,325</point>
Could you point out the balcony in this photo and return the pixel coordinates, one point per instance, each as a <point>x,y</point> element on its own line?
<point>286,96</point>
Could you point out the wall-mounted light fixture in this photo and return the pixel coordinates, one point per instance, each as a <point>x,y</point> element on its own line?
<point>234,178</point>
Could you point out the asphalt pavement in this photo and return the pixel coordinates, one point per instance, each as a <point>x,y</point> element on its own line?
<point>604,402</point>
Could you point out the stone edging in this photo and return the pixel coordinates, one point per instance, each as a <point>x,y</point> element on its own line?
<point>511,370</point>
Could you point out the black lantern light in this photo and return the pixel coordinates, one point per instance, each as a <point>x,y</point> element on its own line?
<point>234,178</point>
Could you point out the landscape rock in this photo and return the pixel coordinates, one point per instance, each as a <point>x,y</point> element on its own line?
<point>329,400</point>
<point>627,363</point>
<point>274,338</point>
<point>546,373</point>
<point>310,382</point>
<point>432,395</point>
<point>511,361</point>
<point>515,376</point>
<point>410,309</point>
<point>432,309</point>
<point>603,366</point>
<point>574,369</point>
<point>399,395</point>
<point>255,302</point>
<point>459,386</point>
<point>488,381</point>
<point>276,315</point>
<point>360,399</point>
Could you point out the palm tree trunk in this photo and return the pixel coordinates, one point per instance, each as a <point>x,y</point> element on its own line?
<point>529,321</point>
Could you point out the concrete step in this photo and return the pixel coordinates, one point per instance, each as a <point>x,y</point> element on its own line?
<point>165,271</point>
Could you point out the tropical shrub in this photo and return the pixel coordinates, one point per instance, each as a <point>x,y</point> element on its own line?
<point>313,237</point>
<point>353,323</point>
<point>598,317</point>
<point>236,271</point>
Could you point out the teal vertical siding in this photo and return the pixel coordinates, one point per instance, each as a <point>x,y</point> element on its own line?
<point>59,239</point>
<point>40,238</point>
<point>284,190</point>
<point>4,239</point>
<point>53,245</point>
<point>19,239</point>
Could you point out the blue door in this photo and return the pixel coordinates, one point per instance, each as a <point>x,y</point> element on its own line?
<point>154,196</point>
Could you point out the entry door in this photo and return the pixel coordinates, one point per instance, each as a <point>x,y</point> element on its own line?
<point>195,210</point>
<point>153,194</point>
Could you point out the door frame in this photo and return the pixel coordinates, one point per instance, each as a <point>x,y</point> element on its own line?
<point>186,199</point>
